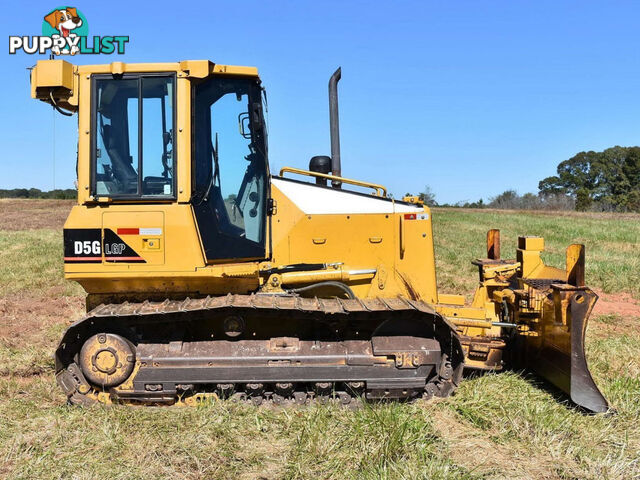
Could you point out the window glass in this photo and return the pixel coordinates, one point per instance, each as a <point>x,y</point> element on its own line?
<point>157,136</point>
<point>231,148</point>
<point>132,116</point>
<point>116,155</point>
<point>134,157</point>
<point>230,187</point>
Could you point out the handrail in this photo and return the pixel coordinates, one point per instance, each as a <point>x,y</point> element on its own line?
<point>380,190</point>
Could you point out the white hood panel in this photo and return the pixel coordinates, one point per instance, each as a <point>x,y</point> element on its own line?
<point>313,200</point>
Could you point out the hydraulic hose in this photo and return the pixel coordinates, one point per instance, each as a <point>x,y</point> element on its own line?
<point>338,285</point>
<point>55,105</point>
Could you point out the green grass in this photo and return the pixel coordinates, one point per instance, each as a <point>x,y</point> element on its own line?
<point>31,260</point>
<point>612,245</point>
<point>507,414</point>
<point>217,441</point>
<point>496,426</point>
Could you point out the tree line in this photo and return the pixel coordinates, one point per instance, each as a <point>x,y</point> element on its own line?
<point>58,194</point>
<point>607,181</point>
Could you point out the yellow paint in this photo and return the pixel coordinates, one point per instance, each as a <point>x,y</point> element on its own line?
<point>449,299</point>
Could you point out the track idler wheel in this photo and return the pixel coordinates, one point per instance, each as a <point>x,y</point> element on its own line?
<point>107,359</point>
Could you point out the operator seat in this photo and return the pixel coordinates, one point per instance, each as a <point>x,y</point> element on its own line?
<point>122,169</point>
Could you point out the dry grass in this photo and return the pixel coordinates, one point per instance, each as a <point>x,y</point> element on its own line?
<point>497,426</point>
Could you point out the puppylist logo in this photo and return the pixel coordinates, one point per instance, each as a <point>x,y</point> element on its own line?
<point>65,31</point>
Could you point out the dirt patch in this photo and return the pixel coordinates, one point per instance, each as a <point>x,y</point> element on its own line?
<point>31,214</point>
<point>25,319</point>
<point>622,304</point>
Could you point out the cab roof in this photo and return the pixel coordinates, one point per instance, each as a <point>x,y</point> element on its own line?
<point>187,68</point>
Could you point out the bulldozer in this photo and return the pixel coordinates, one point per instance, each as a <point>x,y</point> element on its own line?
<point>210,277</point>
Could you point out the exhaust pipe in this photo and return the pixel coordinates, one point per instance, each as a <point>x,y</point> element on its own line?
<point>334,126</point>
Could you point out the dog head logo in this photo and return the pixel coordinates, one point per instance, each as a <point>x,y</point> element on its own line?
<point>64,20</point>
<point>67,23</point>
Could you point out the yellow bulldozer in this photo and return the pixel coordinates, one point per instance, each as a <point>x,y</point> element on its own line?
<point>208,276</point>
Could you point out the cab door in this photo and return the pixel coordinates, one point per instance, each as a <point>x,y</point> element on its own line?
<point>230,178</point>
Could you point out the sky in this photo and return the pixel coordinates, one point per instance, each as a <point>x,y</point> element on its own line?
<point>468,97</point>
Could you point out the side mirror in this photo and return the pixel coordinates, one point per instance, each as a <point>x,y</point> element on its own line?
<point>256,116</point>
<point>253,118</point>
<point>243,125</point>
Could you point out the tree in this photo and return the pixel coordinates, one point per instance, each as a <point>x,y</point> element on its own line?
<point>610,178</point>
<point>507,199</point>
<point>428,197</point>
<point>583,200</point>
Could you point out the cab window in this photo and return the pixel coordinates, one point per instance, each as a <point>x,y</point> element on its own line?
<point>133,141</point>
<point>230,171</point>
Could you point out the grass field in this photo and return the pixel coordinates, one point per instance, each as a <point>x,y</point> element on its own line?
<point>497,426</point>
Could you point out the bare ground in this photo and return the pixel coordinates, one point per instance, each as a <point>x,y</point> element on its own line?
<point>25,214</point>
<point>622,304</point>
<point>24,315</point>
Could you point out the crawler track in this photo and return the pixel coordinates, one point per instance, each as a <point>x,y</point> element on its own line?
<point>280,349</point>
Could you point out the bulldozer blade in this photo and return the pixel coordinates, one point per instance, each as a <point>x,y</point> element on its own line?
<point>555,347</point>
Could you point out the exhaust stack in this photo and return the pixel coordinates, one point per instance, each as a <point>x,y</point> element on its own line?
<point>334,126</point>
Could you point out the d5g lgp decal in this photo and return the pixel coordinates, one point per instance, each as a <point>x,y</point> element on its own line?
<point>86,245</point>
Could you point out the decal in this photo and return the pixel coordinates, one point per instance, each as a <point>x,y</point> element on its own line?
<point>416,216</point>
<point>139,231</point>
<point>86,245</point>
<point>82,245</point>
<point>117,250</point>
